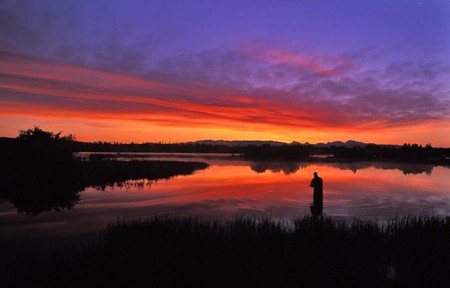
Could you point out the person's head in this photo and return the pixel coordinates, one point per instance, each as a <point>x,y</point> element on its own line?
<point>315,174</point>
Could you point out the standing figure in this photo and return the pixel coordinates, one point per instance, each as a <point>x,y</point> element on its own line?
<point>317,184</point>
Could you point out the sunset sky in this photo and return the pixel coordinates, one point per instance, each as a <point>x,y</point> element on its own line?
<point>175,71</point>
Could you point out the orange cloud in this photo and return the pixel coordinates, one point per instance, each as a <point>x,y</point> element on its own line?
<point>38,89</point>
<point>92,95</point>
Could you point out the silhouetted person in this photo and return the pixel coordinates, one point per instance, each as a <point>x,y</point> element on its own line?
<point>317,184</point>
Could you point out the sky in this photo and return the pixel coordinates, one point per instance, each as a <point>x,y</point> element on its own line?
<point>176,71</point>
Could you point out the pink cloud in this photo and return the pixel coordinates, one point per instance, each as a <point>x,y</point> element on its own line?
<point>316,62</point>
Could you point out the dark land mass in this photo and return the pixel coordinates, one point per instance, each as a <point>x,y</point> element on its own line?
<point>39,188</point>
<point>315,252</point>
<point>406,153</point>
<point>256,150</point>
<point>39,173</point>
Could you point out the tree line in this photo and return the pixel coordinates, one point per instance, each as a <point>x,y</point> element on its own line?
<point>64,145</point>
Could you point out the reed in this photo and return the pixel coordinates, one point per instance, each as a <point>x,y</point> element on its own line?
<point>262,252</point>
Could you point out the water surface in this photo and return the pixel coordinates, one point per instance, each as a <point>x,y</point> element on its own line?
<point>231,188</point>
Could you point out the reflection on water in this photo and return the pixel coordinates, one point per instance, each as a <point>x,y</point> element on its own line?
<point>257,166</point>
<point>38,186</point>
<point>292,167</point>
<point>162,156</point>
<point>275,166</point>
<point>227,191</point>
<point>232,187</point>
<point>406,168</point>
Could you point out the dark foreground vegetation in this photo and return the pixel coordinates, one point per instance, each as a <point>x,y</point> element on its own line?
<point>39,173</point>
<point>322,252</point>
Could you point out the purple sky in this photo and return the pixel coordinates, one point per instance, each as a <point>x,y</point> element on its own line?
<point>374,71</point>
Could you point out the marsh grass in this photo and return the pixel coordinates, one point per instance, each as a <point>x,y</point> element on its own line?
<point>250,252</point>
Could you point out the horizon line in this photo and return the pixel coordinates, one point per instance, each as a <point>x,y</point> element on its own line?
<point>254,140</point>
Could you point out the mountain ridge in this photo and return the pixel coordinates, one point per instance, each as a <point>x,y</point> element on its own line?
<point>236,143</point>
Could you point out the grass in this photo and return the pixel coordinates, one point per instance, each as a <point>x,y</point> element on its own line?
<point>248,252</point>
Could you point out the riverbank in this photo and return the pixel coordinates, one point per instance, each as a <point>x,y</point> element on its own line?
<point>248,252</point>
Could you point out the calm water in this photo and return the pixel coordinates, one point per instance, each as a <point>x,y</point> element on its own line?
<point>230,188</point>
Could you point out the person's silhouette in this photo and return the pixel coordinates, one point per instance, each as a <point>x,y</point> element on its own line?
<point>317,184</point>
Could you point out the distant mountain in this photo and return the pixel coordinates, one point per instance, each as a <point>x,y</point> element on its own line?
<point>243,143</point>
<point>235,143</point>
<point>348,144</point>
